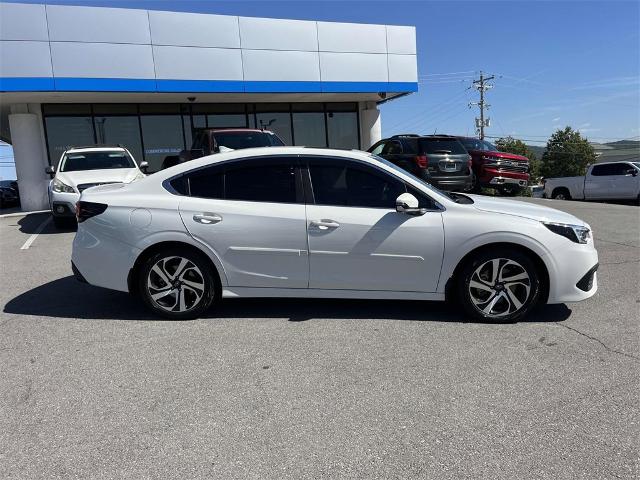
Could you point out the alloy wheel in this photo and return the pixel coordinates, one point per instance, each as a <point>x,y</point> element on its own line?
<point>499,287</point>
<point>175,284</point>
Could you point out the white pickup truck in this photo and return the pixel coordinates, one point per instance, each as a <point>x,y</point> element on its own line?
<point>603,181</point>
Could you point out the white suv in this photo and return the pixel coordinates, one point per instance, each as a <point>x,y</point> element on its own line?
<point>85,167</point>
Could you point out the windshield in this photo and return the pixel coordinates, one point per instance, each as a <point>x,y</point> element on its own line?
<point>441,145</point>
<point>636,164</point>
<point>106,160</point>
<point>240,140</point>
<point>477,144</point>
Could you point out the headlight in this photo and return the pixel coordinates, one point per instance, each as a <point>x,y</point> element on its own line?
<point>575,233</point>
<point>59,187</point>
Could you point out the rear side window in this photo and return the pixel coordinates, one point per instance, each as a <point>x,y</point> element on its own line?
<point>353,187</point>
<point>442,145</point>
<point>239,140</point>
<point>272,183</point>
<point>266,182</point>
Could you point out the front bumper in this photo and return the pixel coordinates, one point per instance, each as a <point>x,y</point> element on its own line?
<point>497,181</point>
<point>573,276</point>
<point>63,204</point>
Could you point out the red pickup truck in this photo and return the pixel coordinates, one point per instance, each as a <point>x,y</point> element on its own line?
<point>506,172</point>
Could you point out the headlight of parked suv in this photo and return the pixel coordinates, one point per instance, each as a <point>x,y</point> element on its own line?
<point>575,233</point>
<point>59,187</point>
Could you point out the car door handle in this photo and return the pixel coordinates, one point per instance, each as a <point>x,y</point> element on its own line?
<point>324,224</point>
<point>207,218</point>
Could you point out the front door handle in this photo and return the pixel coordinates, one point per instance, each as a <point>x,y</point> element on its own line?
<point>207,218</point>
<point>324,224</point>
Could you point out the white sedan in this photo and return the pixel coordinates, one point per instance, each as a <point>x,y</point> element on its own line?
<point>301,222</point>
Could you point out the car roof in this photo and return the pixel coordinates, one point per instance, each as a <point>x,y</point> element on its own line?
<point>253,130</point>
<point>101,148</point>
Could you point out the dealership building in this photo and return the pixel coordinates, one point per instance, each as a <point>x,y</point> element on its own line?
<point>146,79</point>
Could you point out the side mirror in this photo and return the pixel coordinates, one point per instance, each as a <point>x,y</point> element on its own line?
<point>144,166</point>
<point>407,203</point>
<point>50,170</point>
<point>633,172</point>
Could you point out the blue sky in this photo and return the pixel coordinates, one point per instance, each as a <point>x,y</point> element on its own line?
<point>556,63</point>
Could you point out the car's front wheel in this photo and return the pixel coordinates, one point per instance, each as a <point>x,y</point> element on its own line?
<point>499,287</point>
<point>177,284</point>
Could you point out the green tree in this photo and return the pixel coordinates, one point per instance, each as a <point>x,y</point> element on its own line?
<point>568,154</point>
<point>513,145</point>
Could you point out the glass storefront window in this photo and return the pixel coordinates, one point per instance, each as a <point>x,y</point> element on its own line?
<point>308,129</point>
<point>278,123</point>
<point>343,130</point>
<point>162,136</point>
<point>67,132</point>
<point>124,131</point>
<point>227,120</point>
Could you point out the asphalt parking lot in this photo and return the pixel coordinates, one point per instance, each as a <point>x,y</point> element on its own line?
<point>92,387</point>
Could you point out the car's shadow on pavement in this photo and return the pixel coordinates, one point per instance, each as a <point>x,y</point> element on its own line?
<point>31,223</point>
<point>68,298</point>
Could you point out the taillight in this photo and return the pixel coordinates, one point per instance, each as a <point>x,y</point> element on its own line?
<point>422,161</point>
<point>86,210</point>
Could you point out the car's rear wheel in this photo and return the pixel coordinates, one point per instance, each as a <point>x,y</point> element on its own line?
<point>499,286</point>
<point>177,284</point>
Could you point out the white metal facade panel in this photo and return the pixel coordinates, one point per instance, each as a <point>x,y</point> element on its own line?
<point>193,29</point>
<point>23,22</point>
<point>197,63</point>
<point>102,60</point>
<point>353,67</point>
<point>13,55</point>
<point>275,34</point>
<point>401,39</point>
<point>280,65</point>
<point>402,68</point>
<point>352,37</point>
<point>97,24</point>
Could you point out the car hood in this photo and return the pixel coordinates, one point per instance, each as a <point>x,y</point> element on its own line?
<point>115,175</point>
<point>505,155</point>
<point>524,210</point>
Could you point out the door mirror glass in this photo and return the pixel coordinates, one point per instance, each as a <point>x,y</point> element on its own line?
<point>407,203</point>
<point>50,170</point>
<point>144,166</point>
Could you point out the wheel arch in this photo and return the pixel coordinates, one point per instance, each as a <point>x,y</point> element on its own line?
<point>162,245</point>
<point>541,267</point>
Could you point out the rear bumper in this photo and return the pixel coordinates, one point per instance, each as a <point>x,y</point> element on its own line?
<point>453,182</point>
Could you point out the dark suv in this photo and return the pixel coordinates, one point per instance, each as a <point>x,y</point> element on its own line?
<point>440,160</point>
<point>213,140</point>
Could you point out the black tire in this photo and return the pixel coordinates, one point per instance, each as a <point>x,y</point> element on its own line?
<point>561,194</point>
<point>168,260</point>
<point>476,301</point>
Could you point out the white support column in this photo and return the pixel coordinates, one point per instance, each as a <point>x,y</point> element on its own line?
<point>370,124</point>
<point>30,159</point>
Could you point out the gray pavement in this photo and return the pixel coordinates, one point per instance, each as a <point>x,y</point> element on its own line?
<point>92,387</point>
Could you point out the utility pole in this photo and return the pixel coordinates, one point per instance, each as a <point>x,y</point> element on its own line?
<point>482,87</point>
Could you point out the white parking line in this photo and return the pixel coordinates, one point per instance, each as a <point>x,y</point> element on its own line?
<point>35,234</point>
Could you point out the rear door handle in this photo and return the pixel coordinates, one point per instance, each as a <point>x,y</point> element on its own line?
<point>324,224</point>
<point>207,218</point>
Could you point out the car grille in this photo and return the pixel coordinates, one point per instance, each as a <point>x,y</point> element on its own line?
<point>507,166</point>
<point>84,186</point>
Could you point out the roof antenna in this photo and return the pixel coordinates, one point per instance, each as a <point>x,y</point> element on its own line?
<point>434,132</point>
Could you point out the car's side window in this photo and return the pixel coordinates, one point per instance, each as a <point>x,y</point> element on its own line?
<point>378,149</point>
<point>392,148</point>
<point>259,181</point>
<point>601,170</point>
<point>207,183</point>
<point>620,168</point>
<point>353,185</point>
<point>268,183</point>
